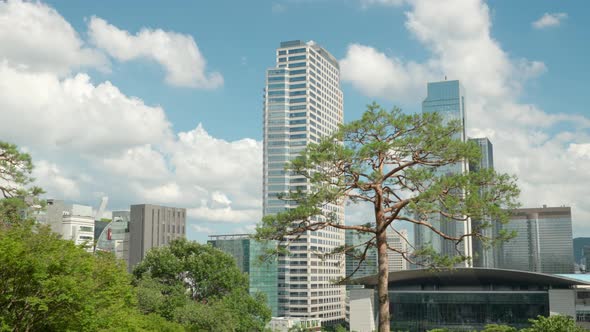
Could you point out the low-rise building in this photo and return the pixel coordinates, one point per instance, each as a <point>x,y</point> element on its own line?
<point>470,298</point>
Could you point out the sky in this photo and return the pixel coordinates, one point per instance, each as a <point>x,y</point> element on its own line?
<point>161,102</point>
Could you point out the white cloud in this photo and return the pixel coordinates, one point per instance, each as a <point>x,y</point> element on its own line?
<point>368,3</point>
<point>201,229</point>
<point>36,37</point>
<point>224,215</point>
<point>580,150</point>
<point>52,180</point>
<point>551,165</point>
<point>89,139</point>
<point>140,162</point>
<point>218,165</point>
<point>278,8</point>
<point>177,53</point>
<point>549,20</point>
<point>42,109</point>
<point>376,74</point>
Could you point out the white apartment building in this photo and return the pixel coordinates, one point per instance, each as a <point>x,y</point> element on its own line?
<point>303,102</point>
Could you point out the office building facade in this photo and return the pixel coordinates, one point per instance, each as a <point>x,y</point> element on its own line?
<point>484,255</point>
<point>399,241</point>
<point>153,226</point>
<point>369,265</point>
<point>262,275</point>
<point>354,263</point>
<point>447,98</point>
<point>543,241</point>
<point>302,103</point>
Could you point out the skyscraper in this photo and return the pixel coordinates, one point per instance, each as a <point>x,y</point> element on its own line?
<point>399,241</point>
<point>543,241</point>
<point>369,266</point>
<point>484,256</point>
<point>303,102</point>
<point>446,98</point>
<point>153,226</point>
<point>263,276</point>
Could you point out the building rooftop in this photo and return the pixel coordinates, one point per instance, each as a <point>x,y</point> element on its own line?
<point>476,276</point>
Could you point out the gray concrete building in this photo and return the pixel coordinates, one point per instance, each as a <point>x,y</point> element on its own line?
<point>153,226</point>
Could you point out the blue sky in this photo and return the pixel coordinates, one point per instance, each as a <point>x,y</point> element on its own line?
<point>526,88</point>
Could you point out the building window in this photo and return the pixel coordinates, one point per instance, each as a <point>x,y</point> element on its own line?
<point>293,51</point>
<point>86,229</point>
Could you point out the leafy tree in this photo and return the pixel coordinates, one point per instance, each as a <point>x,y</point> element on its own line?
<point>499,328</point>
<point>397,164</point>
<point>50,284</point>
<point>556,323</point>
<point>15,176</point>
<point>200,287</point>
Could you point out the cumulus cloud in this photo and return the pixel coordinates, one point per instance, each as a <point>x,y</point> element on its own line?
<point>90,139</point>
<point>549,20</point>
<point>73,113</point>
<point>36,37</point>
<point>376,74</point>
<point>139,162</point>
<point>527,142</point>
<point>177,53</point>
<point>51,178</point>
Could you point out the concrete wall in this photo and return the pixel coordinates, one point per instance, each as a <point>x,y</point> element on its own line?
<point>562,302</point>
<point>360,310</point>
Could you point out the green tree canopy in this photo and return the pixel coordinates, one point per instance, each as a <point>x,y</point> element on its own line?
<point>200,287</point>
<point>401,166</point>
<point>16,192</point>
<point>556,323</point>
<point>50,284</point>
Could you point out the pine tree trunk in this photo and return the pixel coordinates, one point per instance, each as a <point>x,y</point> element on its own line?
<point>382,282</point>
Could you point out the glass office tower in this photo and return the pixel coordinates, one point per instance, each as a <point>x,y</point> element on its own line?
<point>543,242</point>
<point>262,275</point>
<point>368,266</point>
<point>484,256</point>
<point>447,98</point>
<point>302,103</point>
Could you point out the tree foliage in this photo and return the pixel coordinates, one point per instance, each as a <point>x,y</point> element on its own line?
<point>200,287</point>
<point>16,192</point>
<point>555,323</point>
<point>50,284</point>
<point>401,165</point>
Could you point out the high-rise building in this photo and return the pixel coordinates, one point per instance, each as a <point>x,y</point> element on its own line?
<point>366,267</point>
<point>369,266</point>
<point>484,255</point>
<point>447,98</point>
<point>397,241</point>
<point>302,103</point>
<point>153,226</point>
<point>543,241</point>
<point>263,275</point>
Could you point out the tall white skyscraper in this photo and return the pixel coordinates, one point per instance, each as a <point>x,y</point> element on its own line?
<point>303,102</point>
